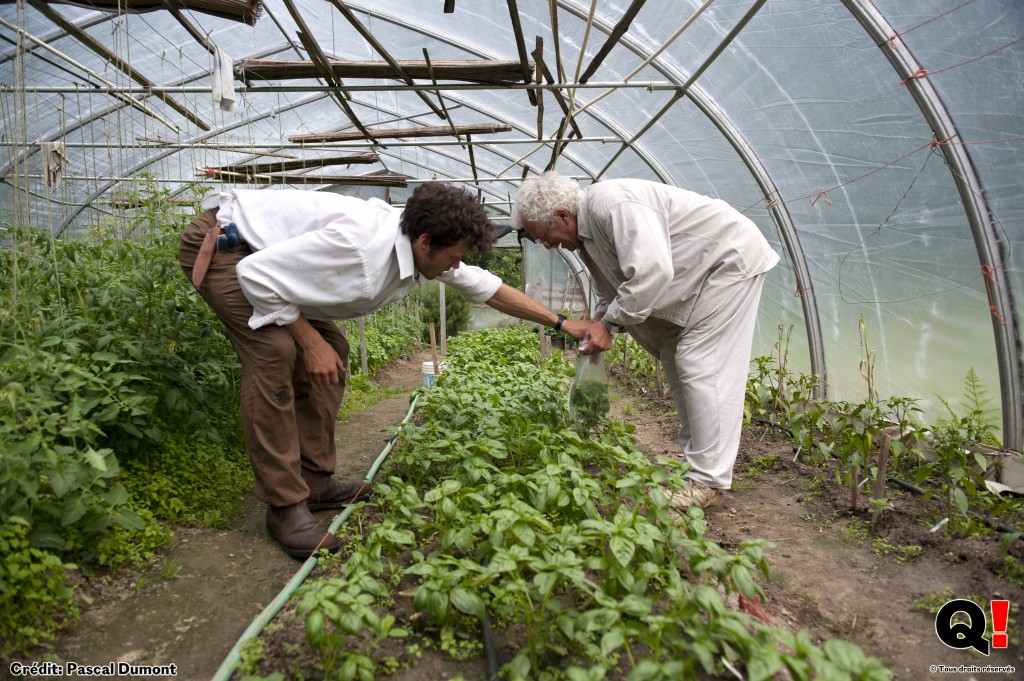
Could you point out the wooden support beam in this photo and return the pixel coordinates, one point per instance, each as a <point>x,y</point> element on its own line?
<point>196,34</point>
<point>484,72</point>
<point>559,144</point>
<point>118,63</point>
<point>244,11</point>
<point>323,66</point>
<point>472,160</point>
<point>397,133</point>
<point>382,51</point>
<point>298,164</point>
<point>440,99</point>
<point>513,11</point>
<point>559,97</point>
<point>613,38</point>
<point>284,178</point>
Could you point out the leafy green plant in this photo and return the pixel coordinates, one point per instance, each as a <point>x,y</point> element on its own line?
<point>959,469</point>
<point>391,332</point>
<point>495,504</point>
<point>109,356</point>
<point>34,594</point>
<point>637,362</point>
<point>457,309</point>
<point>506,263</point>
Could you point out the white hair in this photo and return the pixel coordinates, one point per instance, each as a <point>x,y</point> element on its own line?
<point>539,197</point>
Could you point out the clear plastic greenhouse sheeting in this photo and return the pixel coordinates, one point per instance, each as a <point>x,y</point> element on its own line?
<point>802,122</point>
<point>548,279</point>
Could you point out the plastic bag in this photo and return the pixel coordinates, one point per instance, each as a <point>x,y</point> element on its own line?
<point>588,396</point>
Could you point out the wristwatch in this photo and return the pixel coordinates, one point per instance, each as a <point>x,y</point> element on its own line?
<point>558,324</point>
<point>612,328</point>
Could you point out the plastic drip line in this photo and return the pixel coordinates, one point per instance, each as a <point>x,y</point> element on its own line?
<point>992,522</point>
<point>230,662</point>
<point>490,652</point>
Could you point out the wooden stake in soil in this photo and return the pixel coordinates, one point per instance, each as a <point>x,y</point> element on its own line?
<point>854,486</point>
<point>433,347</point>
<point>884,443</point>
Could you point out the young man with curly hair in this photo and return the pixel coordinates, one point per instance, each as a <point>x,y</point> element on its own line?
<point>289,265</point>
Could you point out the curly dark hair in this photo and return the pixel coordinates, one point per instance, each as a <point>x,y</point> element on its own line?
<point>447,215</point>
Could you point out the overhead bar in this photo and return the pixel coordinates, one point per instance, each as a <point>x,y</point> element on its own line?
<point>285,178</point>
<point>484,71</point>
<point>651,86</point>
<point>440,98</point>
<point>613,39</point>
<point>517,28</point>
<point>425,131</point>
<point>297,164</point>
<point>244,11</point>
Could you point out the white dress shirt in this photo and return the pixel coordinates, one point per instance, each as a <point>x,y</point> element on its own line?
<point>326,255</point>
<point>656,250</point>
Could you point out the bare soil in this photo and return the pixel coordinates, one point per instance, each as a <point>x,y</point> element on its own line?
<point>830,576</point>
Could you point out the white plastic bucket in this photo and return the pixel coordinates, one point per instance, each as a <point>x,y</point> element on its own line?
<point>429,375</point>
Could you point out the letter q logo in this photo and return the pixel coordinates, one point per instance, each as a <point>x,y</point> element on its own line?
<point>971,634</point>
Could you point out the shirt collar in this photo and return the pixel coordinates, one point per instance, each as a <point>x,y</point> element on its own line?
<point>406,264</point>
<point>583,227</point>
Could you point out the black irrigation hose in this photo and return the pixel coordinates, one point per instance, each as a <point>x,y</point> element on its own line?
<point>490,654</point>
<point>992,522</point>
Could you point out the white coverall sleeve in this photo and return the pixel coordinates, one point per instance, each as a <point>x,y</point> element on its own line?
<point>644,251</point>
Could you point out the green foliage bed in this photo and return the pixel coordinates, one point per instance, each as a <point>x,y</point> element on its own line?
<point>118,408</point>
<point>495,503</point>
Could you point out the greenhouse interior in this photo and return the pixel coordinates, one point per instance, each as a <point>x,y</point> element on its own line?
<point>873,145</point>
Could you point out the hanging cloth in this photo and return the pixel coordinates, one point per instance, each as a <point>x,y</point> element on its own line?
<point>55,159</point>
<point>223,80</point>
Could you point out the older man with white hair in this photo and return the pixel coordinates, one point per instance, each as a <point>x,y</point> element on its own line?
<point>682,273</point>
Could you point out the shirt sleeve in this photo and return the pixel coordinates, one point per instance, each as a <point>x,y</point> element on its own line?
<point>640,240</point>
<point>477,285</point>
<point>316,269</point>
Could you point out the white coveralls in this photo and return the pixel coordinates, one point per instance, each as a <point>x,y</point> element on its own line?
<point>682,273</point>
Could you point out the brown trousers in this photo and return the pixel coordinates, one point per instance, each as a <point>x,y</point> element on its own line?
<point>288,421</point>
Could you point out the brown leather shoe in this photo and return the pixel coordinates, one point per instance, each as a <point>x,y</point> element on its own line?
<point>298,532</point>
<point>325,492</point>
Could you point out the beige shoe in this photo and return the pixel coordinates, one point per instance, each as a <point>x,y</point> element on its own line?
<point>695,494</point>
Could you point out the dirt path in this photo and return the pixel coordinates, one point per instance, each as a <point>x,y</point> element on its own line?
<point>191,609</point>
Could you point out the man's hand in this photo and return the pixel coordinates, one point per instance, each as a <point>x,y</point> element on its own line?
<point>596,338</point>
<point>575,327</point>
<point>320,360</point>
<point>322,363</point>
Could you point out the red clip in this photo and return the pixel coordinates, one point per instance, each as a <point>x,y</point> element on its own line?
<point>920,73</point>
